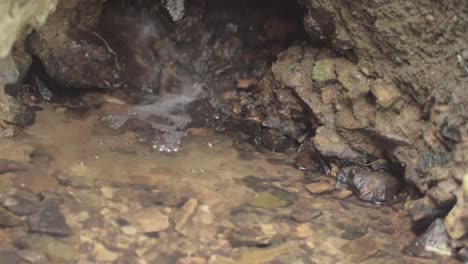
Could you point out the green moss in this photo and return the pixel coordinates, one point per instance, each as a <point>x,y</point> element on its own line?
<point>323,71</point>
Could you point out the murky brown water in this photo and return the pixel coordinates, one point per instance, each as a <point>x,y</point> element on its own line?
<point>207,203</point>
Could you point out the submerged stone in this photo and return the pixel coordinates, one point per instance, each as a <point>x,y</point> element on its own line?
<point>268,201</point>
<point>49,220</point>
<point>8,219</point>
<point>435,239</point>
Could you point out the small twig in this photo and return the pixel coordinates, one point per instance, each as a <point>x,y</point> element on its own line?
<point>108,48</point>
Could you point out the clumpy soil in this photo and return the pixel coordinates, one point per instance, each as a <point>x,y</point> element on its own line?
<point>249,132</point>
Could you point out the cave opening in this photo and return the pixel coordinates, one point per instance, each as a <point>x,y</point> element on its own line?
<point>222,132</point>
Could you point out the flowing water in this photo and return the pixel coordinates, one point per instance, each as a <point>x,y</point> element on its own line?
<point>216,200</point>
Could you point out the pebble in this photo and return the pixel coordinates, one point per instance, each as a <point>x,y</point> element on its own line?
<point>107,192</point>
<point>185,213</point>
<point>342,194</point>
<point>102,254</point>
<point>150,220</point>
<point>128,230</point>
<point>321,186</point>
<point>304,231</point>
<point>302,215</point>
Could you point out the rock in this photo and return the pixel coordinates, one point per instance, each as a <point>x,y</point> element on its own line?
<point>21,203</point>
<point>435,239</point>
<point>8,219</point>
<point>252,236</point>
<point>107,192</point>
<point>455,220</point>
<point>423,210</point>
<point>57,251</point>
<point>185,213</point>
<point>376,187</point>
<point>342,193</point>
<point>11,257</point>
<point>8,72</point>
<point>33,257</point>
<point>330,144</point>
<point>256,184</point>
<point>12,166</point>
<point>67,59</point>
<point>192,260</point>
<point>319,26</point>
<point>129,230</point>
<point>303,231</point>
<point>14,17</point>
<point>462,255</point>
<point>217,259</point>
<point>149,220</point>
<point>356,84</point>
<point>386,94</point>
<point>14,112</point>
<point>324,185</point>
<point>361,248</point>
<point>268,201</point>
<point>262,256</point>
<point>49,220</point>
<point>304,214</point>
<point>275,141</point>
<point>443,193</point>
<point>102,254</point>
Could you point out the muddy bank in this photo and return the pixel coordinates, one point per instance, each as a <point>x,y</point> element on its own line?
<point>373,94</point>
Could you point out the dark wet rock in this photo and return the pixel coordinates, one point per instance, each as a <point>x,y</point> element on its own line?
<point>257,184</point>
<point>423,210</point>
<point>435,239</point>
<point>462,255</point>
<point>21,203</point>
<point>75,56</point>
<point>320,26</point>
<point>376,187</point>
<point>275,141</point>
<point>323,185</point>
<point>305,160</point>
<point>14,112</point>
<point>40,87</point>
<point>304,214</point>
<point>11,257</point>
<point>12,166</point>
<point>8,219</point>
<point>49,220</point>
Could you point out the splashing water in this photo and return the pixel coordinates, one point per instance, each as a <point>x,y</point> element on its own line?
<point>166,115</point>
